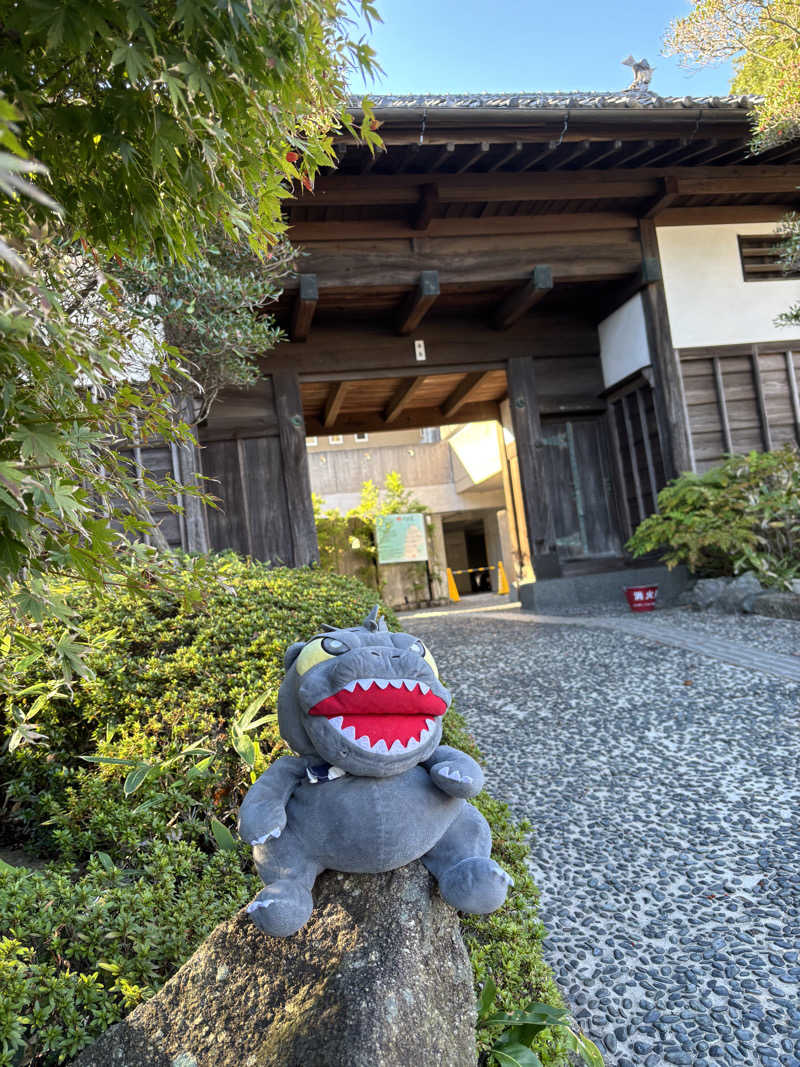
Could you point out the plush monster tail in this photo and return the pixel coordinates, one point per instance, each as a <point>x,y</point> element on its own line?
<point>372,622</point>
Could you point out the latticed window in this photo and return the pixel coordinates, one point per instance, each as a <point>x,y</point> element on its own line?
<point>761,258</point>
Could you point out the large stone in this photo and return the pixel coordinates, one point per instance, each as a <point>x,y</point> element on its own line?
<point>739,593</point>
<point>707,592</point>
<point>379,977</point>
<point>777,605</point>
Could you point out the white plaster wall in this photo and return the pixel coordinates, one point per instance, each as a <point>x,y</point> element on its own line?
<point>709,302</point>
<point>623,342</point>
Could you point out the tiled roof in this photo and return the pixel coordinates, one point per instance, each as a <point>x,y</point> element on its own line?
<point>628,98</point>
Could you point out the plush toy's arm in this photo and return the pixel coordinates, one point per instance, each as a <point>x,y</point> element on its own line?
<point>263,810</point>
<point>454,772</point>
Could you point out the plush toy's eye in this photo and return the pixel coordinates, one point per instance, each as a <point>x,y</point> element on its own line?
<point>317,651</point>
<point>333,647</point>
<point>421,650</point>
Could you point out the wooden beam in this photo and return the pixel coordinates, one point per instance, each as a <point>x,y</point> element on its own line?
<point>479,153</point>
<point>791,377</point>
<point>427,206</point>
<point>463,392</point>
<point>632,457</point>
<point>410,418</point>
<point>648,451</point>
<point>333,405</point>
<point>621,493</point>
<point>700,216</point>
<point>761,401</point>
<point>527,426</point>
<point>667,197</point>
<point>303,308</point>
<point>417,303</point>
<point>523,299</point>
<point>353,189</point>
<point>395,229</point>
<point>722,405</point>
<point>459,344</point>
<point>668,395</point>
<point>402,398</point>
<point>506,157</point>
<point>596,256</point>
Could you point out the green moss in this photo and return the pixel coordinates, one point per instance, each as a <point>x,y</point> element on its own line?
<point>134,884</point>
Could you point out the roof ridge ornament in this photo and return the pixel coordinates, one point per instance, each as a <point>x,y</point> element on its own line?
<point>642,73</point>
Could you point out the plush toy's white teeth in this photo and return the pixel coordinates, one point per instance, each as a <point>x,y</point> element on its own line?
<point>337,722</point>
<point>380,746</point>
<point>349,732</point>
<point>410,684</point>
<point>424,736</point>
<point>397,746</point>
<point>431,724</point>
<point>364,742</point>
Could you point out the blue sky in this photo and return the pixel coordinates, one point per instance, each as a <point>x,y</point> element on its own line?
<point>431,46</point>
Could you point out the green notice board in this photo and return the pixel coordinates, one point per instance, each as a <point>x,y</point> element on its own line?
<point>401,538</point>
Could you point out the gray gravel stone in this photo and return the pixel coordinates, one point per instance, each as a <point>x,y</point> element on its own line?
<point>663,787</point>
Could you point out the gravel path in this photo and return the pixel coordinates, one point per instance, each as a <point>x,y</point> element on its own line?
<point>664,790</point>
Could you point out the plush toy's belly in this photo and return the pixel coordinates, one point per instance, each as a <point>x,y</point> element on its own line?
<point>370,824</point>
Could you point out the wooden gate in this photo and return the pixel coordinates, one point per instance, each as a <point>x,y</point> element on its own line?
<point>578,480</point>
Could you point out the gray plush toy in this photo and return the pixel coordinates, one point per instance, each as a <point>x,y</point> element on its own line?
<point>370,788</point>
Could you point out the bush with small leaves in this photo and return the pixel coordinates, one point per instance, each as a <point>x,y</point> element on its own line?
<point>132,792</point>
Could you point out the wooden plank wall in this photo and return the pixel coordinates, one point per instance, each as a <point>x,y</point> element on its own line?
<point>253,456</point>
<point>741,398</point>
<point>159,463</point>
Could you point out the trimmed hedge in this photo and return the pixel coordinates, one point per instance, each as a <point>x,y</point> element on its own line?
<point>133,884</point>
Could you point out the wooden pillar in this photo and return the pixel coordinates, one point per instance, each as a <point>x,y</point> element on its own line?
<point>668,395</point>
<point>292,434</point>
<point>527,426</point>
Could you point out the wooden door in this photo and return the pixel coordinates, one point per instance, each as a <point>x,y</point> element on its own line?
<point>578,477</point>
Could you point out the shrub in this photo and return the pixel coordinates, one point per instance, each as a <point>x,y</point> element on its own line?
<point>743,515</point>
<point>135,882</point>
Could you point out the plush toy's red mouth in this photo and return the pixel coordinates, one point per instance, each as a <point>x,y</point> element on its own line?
<point>383,715</point>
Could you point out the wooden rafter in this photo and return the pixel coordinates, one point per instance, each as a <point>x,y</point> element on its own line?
<point>464,392</point>
<point>417,303</point>
<point>402,398</point>
<point>303,308</point>
<point>551,146</point>
<point>506,157</point>
<point>479,153</point>
<point>606,151</point>
<point>523,299</point>
<point>443,156</point>
<point>333,404</point>
<point>577,150</point>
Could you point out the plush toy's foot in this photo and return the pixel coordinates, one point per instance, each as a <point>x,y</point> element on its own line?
<point>281,908</point>
<point>476,885</point>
